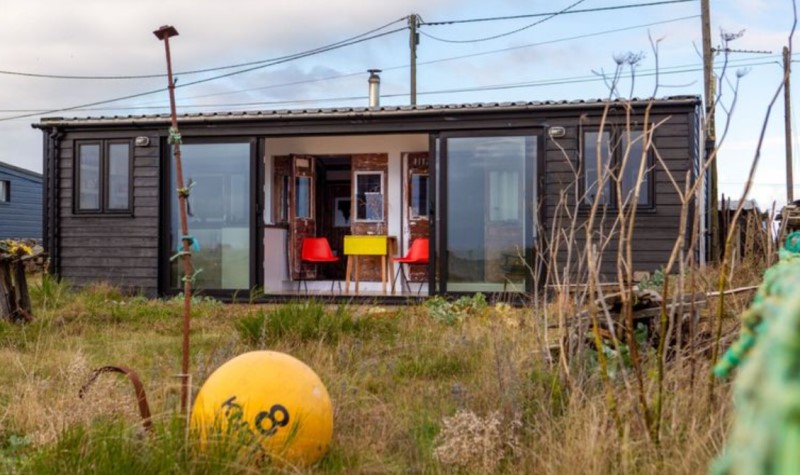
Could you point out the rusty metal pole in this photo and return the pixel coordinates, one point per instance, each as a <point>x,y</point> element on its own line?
<point>787,122</point>
<point>164,33</point>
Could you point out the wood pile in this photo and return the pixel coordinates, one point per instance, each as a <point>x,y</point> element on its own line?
<point>647,308</point>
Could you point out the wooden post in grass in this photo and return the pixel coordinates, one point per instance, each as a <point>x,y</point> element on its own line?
<point>164,33</point>
<point>8,305</point>
<point>15,301</point>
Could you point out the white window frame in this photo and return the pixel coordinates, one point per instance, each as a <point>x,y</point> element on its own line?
<point>382,193</point>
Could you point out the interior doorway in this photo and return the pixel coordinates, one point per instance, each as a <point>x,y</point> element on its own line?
<point>334,208</point>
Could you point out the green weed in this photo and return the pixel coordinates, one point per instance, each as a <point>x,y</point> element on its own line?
<point>444,311</point>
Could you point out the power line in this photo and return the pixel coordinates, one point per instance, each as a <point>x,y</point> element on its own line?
<point>534,15</point>
<point>667,70</point>
<point>213,78</point>
<point>508,33</point>
<point>200,71</point>
<point>491,87</point>
<point>453,58</point>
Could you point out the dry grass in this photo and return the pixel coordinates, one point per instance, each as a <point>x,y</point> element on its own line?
<point>403,396</point>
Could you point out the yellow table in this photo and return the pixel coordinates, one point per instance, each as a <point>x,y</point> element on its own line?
<point>369,245</point>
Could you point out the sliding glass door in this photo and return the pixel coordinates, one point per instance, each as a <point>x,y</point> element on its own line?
<point>488,212</point>
<point>219,214</point>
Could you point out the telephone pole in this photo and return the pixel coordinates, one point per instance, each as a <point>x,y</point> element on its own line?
<point>787,111</point>
<point>413,41</point>
<point>710,128</point>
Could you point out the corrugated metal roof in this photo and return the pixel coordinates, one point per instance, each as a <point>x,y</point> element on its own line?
<point>382,111</point>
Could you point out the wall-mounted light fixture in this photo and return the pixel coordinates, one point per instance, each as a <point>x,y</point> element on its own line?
<point>556,132</point>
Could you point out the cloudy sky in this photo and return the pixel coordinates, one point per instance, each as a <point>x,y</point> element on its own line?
<point>556,59</point>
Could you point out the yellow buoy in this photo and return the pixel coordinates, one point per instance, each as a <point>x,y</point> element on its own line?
<point>272,398</point>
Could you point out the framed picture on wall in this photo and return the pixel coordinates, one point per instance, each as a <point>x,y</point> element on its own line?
<point>341,212</point>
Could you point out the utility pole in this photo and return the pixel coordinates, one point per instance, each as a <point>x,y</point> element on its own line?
<point>787,111</point>
<point>710,128</point>
<point>413,41</point>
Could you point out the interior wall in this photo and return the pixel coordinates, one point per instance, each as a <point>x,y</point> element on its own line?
<point>393,145</point>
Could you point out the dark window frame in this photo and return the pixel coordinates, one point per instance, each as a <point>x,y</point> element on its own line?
<point>103,207</point>
<point>617,133</point>
<point>5,192</point>
<point>425,214</point>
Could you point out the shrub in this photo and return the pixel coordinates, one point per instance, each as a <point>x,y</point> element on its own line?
<point>473,443</point>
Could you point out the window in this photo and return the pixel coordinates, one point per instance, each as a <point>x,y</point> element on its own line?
<point>419,196</point>
<point>504,196</point>
<point>369,196</point>
<point>118,176</point>
<point>103,177</point>
<point>221,214</point>
<point>89,173</point>
<point>590,164</point>
<point>614,146</point>
<point>5,191</point>
<point>303,197</point>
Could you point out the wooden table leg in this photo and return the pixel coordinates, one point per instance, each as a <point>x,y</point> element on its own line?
<point>347,274</point>
<point>358,280</point>
<point>383,274</point>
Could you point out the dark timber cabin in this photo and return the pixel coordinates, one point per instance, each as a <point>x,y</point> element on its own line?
<point>482,181</point>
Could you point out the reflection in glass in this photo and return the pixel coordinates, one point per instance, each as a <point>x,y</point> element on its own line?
<point>630,173</point>
<point>590,166</point>
<point>303,197</point>
<point>486,243</point>
<point>369,196</point>
<point>118,176</point>
<point>419,196</point>
<point>220,214</point>
<point>89,169</point>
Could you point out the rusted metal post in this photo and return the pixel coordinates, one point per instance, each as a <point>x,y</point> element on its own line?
<point>787,121</point>
<point>164,33</point>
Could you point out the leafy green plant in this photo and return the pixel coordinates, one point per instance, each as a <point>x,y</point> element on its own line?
<point>615,364</point>
<point>655,281</point>
<point>444,311</point>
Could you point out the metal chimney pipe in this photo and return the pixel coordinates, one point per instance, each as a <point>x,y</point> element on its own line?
<point>374,88</point>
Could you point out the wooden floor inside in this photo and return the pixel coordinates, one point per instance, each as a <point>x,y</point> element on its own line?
<point>321,289</point>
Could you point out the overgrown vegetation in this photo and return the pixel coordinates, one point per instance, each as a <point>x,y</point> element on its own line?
<point>477,394</point>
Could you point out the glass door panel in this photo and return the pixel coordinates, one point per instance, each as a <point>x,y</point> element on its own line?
<point>489,183</point>
<point>219,207</point>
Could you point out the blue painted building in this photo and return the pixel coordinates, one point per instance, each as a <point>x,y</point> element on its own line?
<point>20,203</point>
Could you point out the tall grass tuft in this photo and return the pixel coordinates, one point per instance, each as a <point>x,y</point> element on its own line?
<point>112,446</point>
<point>310,321</point>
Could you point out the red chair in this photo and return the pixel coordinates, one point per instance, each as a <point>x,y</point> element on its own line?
<point>315,251</point>
<point>417,256</point>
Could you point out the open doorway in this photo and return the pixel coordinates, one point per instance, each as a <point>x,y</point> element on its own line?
<point>333,210</point>
<point>369,187</point>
